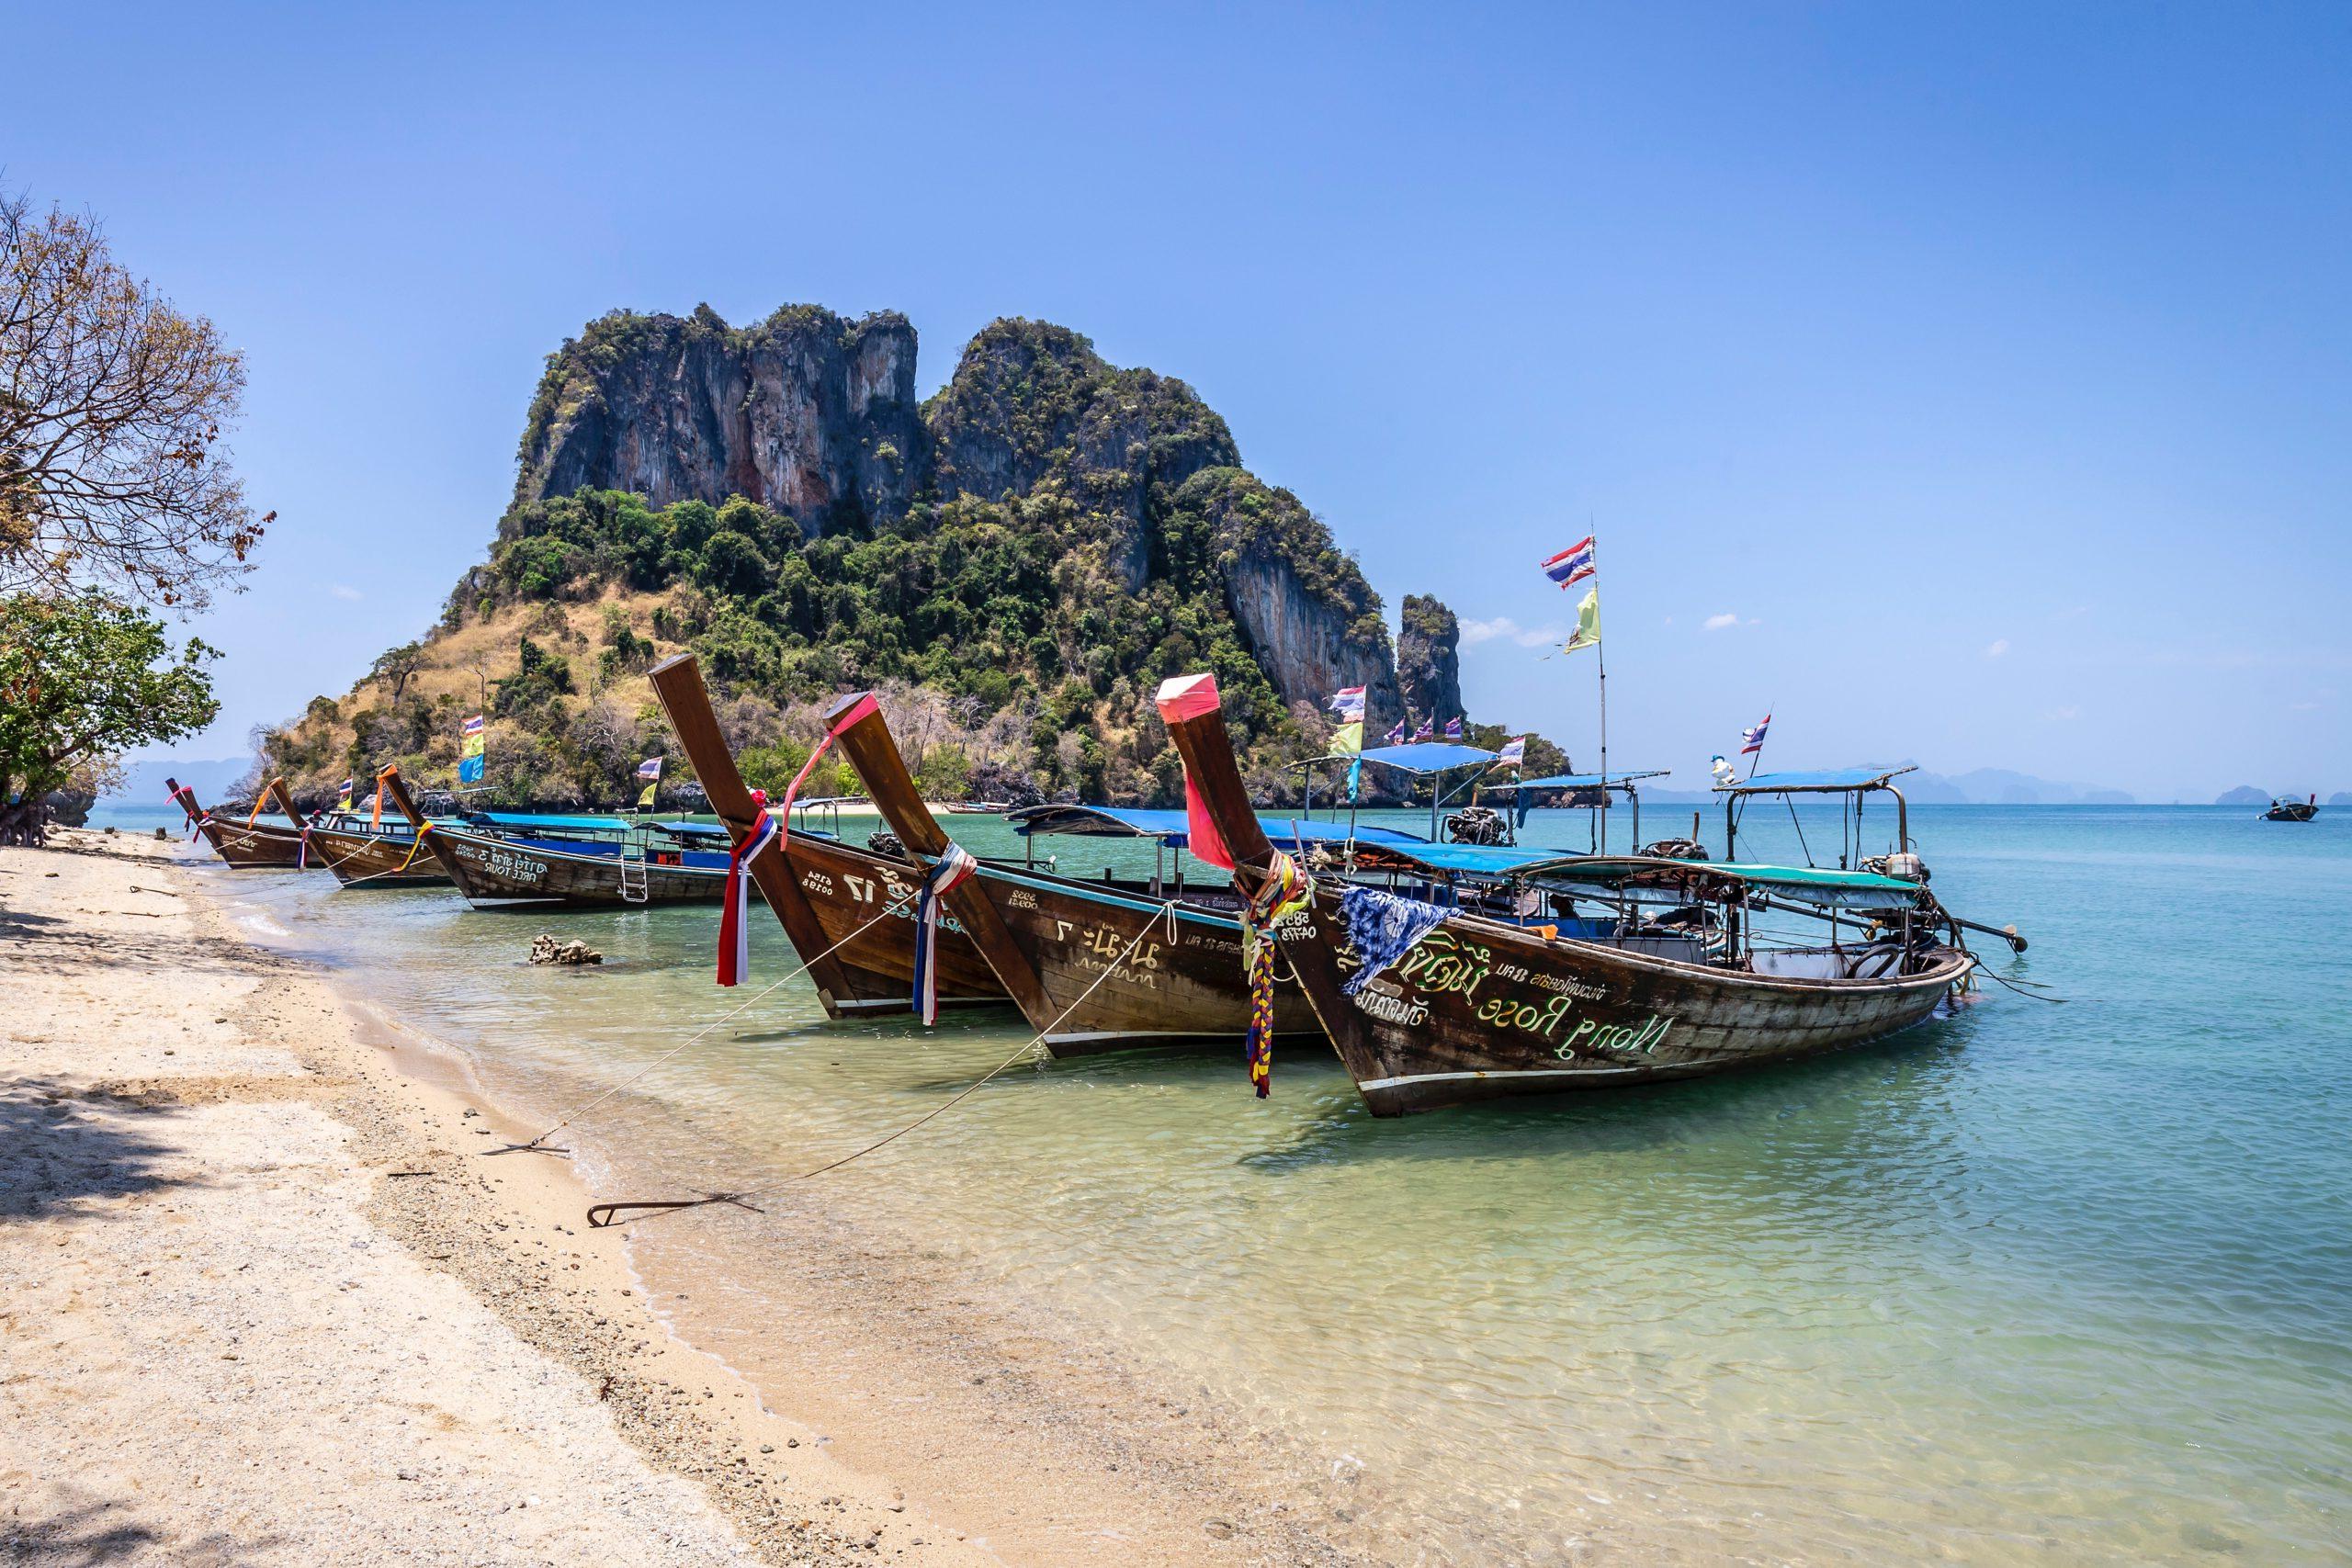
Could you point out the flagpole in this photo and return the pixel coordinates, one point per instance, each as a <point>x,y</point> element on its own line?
<point>1601,661</point>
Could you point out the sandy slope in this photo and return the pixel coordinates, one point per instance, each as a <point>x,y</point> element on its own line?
<point>232,1249</point>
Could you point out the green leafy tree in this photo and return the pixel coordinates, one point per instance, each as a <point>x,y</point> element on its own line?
<point>83,677</point>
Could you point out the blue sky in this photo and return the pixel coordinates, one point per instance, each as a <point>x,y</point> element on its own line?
<point>1964,383</point>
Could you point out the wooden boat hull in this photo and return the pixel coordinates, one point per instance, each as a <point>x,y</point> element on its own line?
<point>1182,984</point>
<point>2291,812</point>
<point>848,889</point>
<point>490,870</point>
<point>261,846</point>
<point>376,860</point>
<point>1478,1011</point>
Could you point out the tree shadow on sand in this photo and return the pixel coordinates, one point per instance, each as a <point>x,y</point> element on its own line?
<point>61,1147</point>
<point>87,1535</point>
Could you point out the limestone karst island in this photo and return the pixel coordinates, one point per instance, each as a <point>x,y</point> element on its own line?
<point>1532,786</point>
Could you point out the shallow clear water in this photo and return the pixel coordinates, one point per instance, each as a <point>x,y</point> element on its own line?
<point>2031,1281</point>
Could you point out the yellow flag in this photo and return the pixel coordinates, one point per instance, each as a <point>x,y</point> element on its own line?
<point>645,796</point>
<point>1347,739</point>
<point>1588,632</point>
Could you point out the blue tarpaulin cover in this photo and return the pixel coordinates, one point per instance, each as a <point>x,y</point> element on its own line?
<point>1585,781</point>
<point>1429,757</point>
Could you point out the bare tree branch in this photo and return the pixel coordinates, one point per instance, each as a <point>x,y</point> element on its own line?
<point>113,407</point>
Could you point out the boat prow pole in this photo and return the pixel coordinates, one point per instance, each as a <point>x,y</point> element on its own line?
<point>1193,710</point>
<point>677,681</point>
<point>278,793</point>
<point>874,753</point>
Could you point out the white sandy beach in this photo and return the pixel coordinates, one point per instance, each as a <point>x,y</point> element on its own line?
<point>266,1303</point>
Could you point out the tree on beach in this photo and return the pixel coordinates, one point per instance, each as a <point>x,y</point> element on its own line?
<point>84,676</point>
<point>113,407</point>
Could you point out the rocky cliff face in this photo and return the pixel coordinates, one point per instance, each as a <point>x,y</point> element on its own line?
<point>816,417</point>
<point>1428,660</point>
<point>807,413</point>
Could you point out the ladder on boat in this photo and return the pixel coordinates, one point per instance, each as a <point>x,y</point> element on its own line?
<point>633,881</point>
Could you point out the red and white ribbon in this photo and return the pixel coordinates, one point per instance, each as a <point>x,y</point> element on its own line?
<point>859,709</point>
<point>734,918</point>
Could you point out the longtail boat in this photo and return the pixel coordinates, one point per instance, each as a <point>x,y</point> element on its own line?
<point>1094,967</point>
<point>372,852</point>
<point>253,844</point>
<point>849,912</point>
<point>1430,1006</point>
<point>500,858</point>
<point>2283,810</point>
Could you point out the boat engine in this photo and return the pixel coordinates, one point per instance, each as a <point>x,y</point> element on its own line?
<point>885,843</point>
<point>1676,849</point>
<point>1476,824</point>
<point>1904,866</point>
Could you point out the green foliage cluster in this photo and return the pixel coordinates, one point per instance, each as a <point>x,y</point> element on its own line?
<point>83,677</point>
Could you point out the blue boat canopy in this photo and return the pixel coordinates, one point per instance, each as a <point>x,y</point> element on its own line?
<point>1171,829</point>
<point>527,822</point>
<point>1820,779</point>
<point>1475,860</point>
<point>1589,781</point>
<point>1428,756</point>
<point>1802,883</point>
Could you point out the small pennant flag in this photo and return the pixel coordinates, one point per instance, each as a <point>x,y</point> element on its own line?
<point>1453,729</point>
<point>343,797</point>
<point>1572,565</point>
<point>1428,731</point>
<point>1347,739</point>
<point>1397,736</point>
<point>1752,740</point>
<point>1348,703</point>
<point>1513,753</point>
<point>649,771</point>
<point>1588,632</point>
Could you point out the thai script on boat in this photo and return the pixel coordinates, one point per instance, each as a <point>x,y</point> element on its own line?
<point>1102,946</point>
<point>1442,962</point>
<point>515,867</point>
<point>1568,985</point>
<point>1392,1010</point>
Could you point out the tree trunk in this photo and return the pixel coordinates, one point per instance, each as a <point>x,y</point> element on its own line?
<point>25,823</point>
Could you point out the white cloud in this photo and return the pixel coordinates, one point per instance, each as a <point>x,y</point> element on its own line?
<point>1717,623</point>
<point>1508,630</point>
<point>340,591</point>
<point>1999,646</point>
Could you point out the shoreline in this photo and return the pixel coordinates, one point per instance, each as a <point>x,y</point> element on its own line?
<point>898,1418</point>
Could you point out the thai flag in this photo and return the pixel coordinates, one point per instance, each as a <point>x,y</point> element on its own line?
<point>734,916</point>
<point>1513,754</point>
<point>1752,740</point>
<point>650,769</point>
<point>1348,702</point>
<point>1572,565</point>
<point>1428,731</point>
<point>1453,729</point>
<point>343,799</point>
<point>951,871</point>
<point>1397,736</point>
<point>472,725</point>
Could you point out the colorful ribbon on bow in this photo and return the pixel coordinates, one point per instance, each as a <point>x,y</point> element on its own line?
<point>734,919</point>
<point>1281,890</point>
<point>950,871</point>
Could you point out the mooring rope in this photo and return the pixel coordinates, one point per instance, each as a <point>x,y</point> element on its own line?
<point>577,1112</point>
<point>742,1199</point>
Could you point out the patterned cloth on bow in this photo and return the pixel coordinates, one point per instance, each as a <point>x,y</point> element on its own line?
<point>1380,928</point>
<point>1284,889</point>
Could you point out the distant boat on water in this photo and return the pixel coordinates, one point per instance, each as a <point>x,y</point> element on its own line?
<point>2293,810</point>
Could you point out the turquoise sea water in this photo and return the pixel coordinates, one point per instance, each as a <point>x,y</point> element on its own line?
<point>2032,1282</point>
